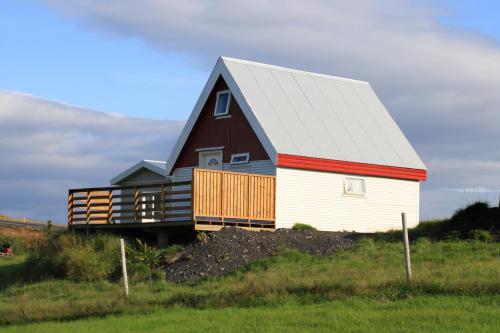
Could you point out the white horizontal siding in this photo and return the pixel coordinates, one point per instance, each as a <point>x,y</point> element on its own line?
<point>318,199</point>
<point>263,167</point>
<point>182,174</point>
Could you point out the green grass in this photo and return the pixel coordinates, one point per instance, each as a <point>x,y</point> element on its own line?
<point>371,271</point>
<point>303,226</point>
<point>419,314</point>
<point>9,268</point>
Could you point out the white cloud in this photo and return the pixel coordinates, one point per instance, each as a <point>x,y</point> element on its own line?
<point>48,147</point>
<point>472,190</point>
<point>440,83</point>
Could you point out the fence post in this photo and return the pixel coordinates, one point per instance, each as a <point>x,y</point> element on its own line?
<point>406,249</point>
<point>124,266</point>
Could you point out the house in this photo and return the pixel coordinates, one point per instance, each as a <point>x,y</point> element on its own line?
<point>340,160</point>
<point>268,147</point>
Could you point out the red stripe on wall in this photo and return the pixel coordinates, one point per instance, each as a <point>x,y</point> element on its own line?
<point>322,164</point>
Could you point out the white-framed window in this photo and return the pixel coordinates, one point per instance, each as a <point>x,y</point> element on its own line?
<point>222,103</point>
<point>354,186</point>
<point>242,158</point>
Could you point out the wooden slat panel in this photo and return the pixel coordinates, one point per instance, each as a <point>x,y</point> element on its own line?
<point>70,208</point>
<point>232,195</point>
<point>151,203</point>
<point>235,197</point>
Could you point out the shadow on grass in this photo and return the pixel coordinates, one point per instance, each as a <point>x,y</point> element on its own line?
<point>10,269</point>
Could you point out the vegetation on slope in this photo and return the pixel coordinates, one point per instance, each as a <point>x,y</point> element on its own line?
<point>79,277</point>
<point>476,221</point>
<point>371,270</point>
<point>23,241</point>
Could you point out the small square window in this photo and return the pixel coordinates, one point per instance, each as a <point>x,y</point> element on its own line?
<point>355,186</point>
<point>222,103</point>
<point>240,158</point>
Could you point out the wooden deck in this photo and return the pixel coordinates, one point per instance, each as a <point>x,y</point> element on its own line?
<point>213,200</point>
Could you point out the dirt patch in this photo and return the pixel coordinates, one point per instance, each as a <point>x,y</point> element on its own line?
<point>230,248</point>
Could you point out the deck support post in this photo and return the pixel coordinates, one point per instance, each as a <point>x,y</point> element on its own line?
<point>88,207</point>
<point>110,207</point>
<point>162,204</point>
<point>70,208</point>
<point>162,239</point>
<point>136,205</point>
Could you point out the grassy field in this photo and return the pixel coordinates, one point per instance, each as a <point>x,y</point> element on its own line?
<point>414,314</point>
<point>451,278</point>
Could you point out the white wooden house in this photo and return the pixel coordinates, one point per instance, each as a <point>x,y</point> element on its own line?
<point>340,160</point>
<point>332,156</point>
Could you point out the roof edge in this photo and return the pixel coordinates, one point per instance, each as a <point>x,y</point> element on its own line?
<point>353,168</point>
<point>298,71</point>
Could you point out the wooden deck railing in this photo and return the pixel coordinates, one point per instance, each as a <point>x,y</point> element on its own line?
<point>213,200</point>
<point>222,198</point>
<point>130,204</point>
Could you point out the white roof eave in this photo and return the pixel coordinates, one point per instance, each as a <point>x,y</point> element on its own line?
<point>144,164</point>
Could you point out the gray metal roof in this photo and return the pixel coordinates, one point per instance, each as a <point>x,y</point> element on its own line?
<point>308,114</point>
<point>323,116</point>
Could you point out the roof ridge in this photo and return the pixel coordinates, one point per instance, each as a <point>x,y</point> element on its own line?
<point>293,70</point>
<point>155,161</point>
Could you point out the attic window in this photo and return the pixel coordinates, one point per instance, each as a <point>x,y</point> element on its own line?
<point>240,158</point>
<point>222,103</point>
<point>354,186</point>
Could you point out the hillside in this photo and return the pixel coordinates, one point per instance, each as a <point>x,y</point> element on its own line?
<point>455,282</point>
<point>13,219</point>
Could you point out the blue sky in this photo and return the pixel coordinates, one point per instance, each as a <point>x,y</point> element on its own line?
<point>434,64</point>
<point>482,16</point>
<point>47,55</point>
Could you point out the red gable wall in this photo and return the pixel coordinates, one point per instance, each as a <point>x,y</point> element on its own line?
<point>234,133</point>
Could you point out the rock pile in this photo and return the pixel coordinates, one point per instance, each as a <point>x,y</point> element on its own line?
<point>223,251</point>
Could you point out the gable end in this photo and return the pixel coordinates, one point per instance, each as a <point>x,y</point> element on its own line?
<point>232,133</point>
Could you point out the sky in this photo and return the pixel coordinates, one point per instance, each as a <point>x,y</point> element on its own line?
<point>88,88</point>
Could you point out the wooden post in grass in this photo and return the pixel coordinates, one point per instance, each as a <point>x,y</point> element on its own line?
<point>124,266</point>
<point>406,249</point>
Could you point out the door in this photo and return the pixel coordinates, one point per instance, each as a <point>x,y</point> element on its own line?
<point>211,159</point>
<point>148,208</point>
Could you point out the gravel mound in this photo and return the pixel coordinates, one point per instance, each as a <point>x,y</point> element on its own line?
<point>230,248</point>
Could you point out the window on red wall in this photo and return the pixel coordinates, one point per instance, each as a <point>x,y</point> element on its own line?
<point>242,158</point>
<point>222,103</point>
